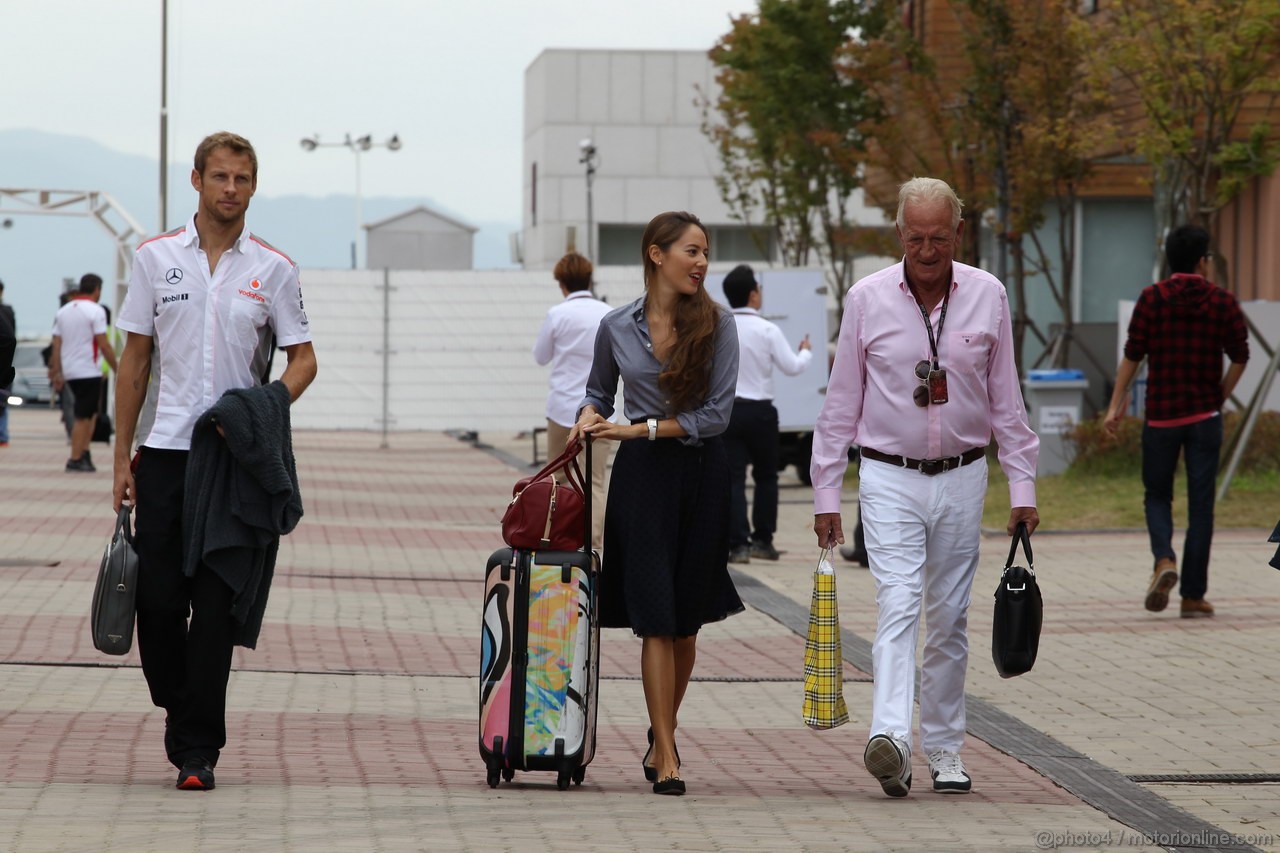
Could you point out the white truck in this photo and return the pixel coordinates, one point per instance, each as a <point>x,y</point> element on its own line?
<point>797,301</point>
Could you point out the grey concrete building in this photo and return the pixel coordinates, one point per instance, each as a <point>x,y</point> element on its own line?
<point>420,239</point>
<point>640,110</point>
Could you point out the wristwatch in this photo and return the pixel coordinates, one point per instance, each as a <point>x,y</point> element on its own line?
<point>653,428</point>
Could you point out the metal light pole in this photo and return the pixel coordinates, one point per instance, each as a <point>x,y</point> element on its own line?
<point>164,116</point>
<point>589,157</point>
<point>358,146</point>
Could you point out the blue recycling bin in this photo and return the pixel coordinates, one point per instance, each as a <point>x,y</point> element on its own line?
<point>1055,401</point>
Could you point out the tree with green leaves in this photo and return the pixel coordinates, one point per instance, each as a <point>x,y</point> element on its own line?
<point>1013,132</point>
<point>1194,67</point>
<point>1041,103</point>
<point>786,126</point>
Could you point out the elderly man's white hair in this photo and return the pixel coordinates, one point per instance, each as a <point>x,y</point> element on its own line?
<point>927,191</point>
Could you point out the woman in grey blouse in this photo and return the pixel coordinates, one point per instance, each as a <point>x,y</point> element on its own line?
<point>666,536</point>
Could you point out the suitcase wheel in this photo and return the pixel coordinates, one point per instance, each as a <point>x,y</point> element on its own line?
<point>492,778</point>
<point>562,781</point>
<point>508,774</point>
<point>579,775</point>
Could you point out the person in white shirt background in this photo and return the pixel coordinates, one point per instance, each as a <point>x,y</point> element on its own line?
<point>79,335</point>
<point>567,342</point>
<point>752,436</point>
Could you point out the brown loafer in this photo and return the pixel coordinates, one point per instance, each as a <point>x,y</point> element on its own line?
<point>1162,580</point>
<point>1196,608</point>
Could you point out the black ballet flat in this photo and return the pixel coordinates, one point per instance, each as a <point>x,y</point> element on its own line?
<point>650,772</point>
<point>672,785</point>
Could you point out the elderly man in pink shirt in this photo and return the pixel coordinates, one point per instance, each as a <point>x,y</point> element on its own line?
<point>923,377</point>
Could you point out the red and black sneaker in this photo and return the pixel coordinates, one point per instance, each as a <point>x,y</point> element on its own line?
<point>196,775</point>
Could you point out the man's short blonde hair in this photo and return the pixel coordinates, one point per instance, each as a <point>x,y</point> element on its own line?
<point>928,191</point>
<point>234,143</point>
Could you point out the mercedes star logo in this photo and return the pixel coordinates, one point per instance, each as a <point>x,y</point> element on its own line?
<point>173,276</point>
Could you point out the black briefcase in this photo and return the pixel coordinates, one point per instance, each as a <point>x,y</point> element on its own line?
<point>114,609</point>
<point>102,428</point>
<point>1015,630</point>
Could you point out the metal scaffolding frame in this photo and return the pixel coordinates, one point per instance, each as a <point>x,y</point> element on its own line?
<point>99,206</point>
<point>1234,447</point>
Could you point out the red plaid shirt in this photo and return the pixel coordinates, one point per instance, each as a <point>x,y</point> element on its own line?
<point>1184,325</point>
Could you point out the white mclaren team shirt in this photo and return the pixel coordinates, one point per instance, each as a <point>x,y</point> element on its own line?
<point>212,331</point>
<point>78,324</point>
<point>762,347</point>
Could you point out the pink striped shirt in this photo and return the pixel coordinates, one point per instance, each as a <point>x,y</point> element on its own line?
<point>869,404</point>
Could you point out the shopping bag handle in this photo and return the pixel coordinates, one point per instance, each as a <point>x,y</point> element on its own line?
<point>1020,534</point>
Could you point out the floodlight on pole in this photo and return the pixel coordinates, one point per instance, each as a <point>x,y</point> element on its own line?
<point>590,157</point>
<point>358,146</point>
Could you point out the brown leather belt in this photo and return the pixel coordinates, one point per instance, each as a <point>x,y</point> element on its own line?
<point>926,466</point>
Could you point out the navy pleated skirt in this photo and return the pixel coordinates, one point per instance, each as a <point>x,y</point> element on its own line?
<point>666,539</point>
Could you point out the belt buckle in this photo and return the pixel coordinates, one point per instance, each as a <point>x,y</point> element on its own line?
<point>932,467</point>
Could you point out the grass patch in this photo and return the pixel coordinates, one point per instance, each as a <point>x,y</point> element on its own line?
<point>1077,500</point>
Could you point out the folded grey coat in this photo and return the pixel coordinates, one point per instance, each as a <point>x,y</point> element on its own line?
<point>241,495</point>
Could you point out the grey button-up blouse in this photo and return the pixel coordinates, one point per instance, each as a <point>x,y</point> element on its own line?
<point>623,349</point>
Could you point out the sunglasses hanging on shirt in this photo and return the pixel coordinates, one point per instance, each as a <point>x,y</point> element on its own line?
<point>932,390</point>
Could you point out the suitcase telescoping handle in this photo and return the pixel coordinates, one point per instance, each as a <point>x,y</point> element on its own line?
<point>587,482</point>
<point>1020,534</point>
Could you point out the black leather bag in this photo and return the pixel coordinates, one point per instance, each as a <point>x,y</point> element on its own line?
<point>114,609</point>
<point>102,428</point>
<point>1015,630</point>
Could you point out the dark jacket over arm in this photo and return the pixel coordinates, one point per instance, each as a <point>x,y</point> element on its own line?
<point>241,496</point>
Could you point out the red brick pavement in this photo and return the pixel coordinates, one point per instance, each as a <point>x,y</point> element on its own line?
<point>319,749</point>
<point>302,647</point>
<point>439,504</point>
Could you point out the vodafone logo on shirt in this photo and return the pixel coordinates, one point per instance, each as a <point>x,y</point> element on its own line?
<point>252,292</point>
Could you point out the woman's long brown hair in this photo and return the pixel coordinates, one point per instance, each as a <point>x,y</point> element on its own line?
<point>687,374</point>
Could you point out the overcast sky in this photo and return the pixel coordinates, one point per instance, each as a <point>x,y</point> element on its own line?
<point>446,75</point>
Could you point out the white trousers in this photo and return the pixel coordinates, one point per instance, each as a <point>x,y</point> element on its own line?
<point>922,540</point>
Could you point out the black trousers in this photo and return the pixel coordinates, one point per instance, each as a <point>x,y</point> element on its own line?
<point>186,664</point>
<point>752,437</point>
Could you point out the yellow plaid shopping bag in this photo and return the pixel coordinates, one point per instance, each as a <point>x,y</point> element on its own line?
<point>824,706</point>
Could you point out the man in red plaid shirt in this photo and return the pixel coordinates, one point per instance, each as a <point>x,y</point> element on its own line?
<point>1184,325</point>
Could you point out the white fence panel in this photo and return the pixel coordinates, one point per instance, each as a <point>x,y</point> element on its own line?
<point>459,347</point>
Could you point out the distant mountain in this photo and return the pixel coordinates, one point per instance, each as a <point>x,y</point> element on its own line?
<point>38,252</point>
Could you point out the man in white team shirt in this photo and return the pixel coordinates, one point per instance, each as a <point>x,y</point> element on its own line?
<point>79,335</point>
<point>752,436</point>
<point>567,342</point>
<point>206,300</point>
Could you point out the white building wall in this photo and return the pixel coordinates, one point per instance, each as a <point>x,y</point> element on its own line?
<point>638,107</point>
<point>641,109</point>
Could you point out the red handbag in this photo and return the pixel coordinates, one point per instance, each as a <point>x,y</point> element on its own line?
<point>546,513</point>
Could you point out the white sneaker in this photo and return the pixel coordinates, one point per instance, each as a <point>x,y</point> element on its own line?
<point>889,760</point>
<point>949,776</point>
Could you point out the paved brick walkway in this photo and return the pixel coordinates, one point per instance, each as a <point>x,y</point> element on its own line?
<point>353,724</point>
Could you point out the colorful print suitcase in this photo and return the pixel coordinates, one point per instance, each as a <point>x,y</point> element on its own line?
<point>540,663</point>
